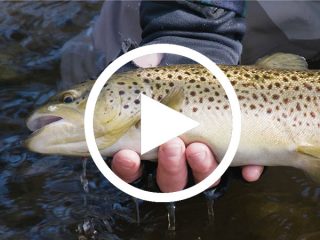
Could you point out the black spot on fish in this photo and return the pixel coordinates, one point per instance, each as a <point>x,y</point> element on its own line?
<point>254,96</point>
<point>275,96</point>
<point>252,106</point>
<point>266,76</point>
<point>307,86</point>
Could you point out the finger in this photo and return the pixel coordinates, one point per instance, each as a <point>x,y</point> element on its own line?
<point>126,164</point>
<point>201,160</point>
<point>172,173</point>
<point>147,61</point>
<point>252,173</point>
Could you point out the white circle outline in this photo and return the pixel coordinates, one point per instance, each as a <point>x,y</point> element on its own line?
<point>89,131</point>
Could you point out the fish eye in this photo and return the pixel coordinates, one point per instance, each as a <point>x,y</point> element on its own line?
<point>68,98</point>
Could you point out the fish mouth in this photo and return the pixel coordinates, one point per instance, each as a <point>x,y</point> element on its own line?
<point>36,122</point>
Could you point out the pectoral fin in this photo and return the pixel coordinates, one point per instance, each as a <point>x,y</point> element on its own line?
<point>312,166</point>
<point>175,98</point>
<point>283,61</point>
<point>310,150</point>
<point>116,129</point>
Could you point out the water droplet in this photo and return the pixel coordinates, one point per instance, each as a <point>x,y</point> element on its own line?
<point>171,207</point>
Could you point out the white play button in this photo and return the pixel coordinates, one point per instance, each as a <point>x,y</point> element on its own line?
<point>160,123</point>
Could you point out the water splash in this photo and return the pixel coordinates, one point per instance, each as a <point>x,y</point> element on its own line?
<point>210,198</point>
<point>171,207</point>
<point>84,181</point>
<point>137,205</point>
<point>83,176</point>
<point>95,228</point>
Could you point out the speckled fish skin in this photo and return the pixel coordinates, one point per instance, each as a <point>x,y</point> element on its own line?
<point>280,114</point>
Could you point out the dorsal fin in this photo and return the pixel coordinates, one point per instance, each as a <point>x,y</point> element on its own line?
<point>283,61</point>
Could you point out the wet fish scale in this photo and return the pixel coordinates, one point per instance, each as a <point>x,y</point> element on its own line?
<point>280,113</point>
<point>284,94</point>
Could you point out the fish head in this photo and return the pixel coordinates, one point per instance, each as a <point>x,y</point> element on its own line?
<point>58,125</point>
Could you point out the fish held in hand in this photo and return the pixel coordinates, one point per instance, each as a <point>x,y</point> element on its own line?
<point>279,99</point>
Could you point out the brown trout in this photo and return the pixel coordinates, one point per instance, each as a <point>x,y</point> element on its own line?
<point>279,99</point>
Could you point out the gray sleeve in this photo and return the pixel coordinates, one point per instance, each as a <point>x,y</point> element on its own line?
<point>213,31</point>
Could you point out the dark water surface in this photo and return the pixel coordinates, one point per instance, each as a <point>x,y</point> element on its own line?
<point>42,197</point>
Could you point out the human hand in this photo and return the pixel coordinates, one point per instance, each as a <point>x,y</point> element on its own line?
<point>219,39</point>
<point>173,158</point>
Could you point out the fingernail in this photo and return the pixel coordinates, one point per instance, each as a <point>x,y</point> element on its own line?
<point>254,174</point>
<point>172,150</point>
<point>125,163</point>
<point>199,156</point>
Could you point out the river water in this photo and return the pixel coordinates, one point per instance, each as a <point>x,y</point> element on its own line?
<point>43,197</point>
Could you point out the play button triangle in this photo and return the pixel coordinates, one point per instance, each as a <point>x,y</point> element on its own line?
<point>160,123</point>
